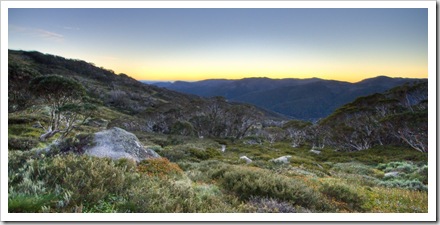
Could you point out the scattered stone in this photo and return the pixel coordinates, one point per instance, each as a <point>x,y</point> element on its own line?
<point>223,148</point>
<point>391,174</point>
<point>245,158</point>
<point>315,151</point>
<point>117,143</point>
<point>251,142</point>
<point>282,159</point>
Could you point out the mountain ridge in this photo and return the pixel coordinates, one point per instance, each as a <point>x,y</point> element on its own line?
<point>309,99</point>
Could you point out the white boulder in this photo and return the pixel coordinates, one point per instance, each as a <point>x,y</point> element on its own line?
<point>245,158</point>
<point>282,159</point>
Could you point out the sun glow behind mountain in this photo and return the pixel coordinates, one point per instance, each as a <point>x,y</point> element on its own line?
<point>197,44</point>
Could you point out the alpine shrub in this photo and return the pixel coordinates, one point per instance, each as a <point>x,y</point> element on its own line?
<point>344,193</point>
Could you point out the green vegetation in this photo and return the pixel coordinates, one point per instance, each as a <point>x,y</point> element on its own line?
<point>222,183</point>
<point>63,96</point>
<point>201,142</point>
<point>159,167</point>
<point>350,197</point>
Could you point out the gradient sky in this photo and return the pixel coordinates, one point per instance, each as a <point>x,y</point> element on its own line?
<point>197,44</point>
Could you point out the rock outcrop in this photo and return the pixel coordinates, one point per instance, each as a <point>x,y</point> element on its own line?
<point>282,159</point>
<point>391,174</point>
<point>117,143</point>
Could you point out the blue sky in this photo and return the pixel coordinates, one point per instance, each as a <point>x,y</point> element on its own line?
<point>195,44</point>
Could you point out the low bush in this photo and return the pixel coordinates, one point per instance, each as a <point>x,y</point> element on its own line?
<point>192,152</point>
<point>401,166</point>
<point>357,168</point>
<point>17,160</point>
<point>296,171</point>
<point>24,130</point>
<point>269,205</point>
<point>155,195</point>
<point>126,164</point>
<point>77,144</point>
<point>422,172</point>
<point>357,179</point>
<point>156,148</point>
<point>107,205</point>
<point>89,179</point>
<point>160,167</point>
<point>23,203</point>
<point>405,184</point>
<point>175,140</point>
<point>174,154</point>
<point>203,171</point>
<point>14,119</point>
<point>395,200</point>
<point>89,184</point>
<point>246,182</point>
<point>344,193</point>
<point>204,154</point>
<point>22,143</point>
<point>408,175</point>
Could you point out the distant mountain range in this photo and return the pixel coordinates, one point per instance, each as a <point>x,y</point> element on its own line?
<point>306,99</point>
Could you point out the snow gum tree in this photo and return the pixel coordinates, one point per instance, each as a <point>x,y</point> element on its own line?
<point>398,116</point>
<point>297,131</point>
<point>65,99</point>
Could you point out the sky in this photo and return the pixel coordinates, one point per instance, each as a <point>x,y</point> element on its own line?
<point>349,44</point>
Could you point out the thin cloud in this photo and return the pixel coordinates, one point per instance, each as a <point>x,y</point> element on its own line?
<point>49,35</point>
<point>70,28</point>
<point>43,34</point>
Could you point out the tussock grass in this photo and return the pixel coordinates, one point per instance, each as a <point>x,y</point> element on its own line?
<point>393,200</point>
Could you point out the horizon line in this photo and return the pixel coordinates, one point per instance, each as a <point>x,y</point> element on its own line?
<point>287,78</point>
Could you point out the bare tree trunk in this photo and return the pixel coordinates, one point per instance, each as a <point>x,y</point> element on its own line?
<point>48,134</point>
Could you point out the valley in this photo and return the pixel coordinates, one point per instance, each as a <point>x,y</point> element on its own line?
<point>304,99</point>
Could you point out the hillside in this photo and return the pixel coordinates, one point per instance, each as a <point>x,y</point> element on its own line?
<point>82,139</point>
<point>118,91</point>
<point>305,99</point>
<point>390,118</point>
<point>150,108</point>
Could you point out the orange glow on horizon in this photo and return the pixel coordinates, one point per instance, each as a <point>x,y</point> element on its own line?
<point>195,69</point>
<point>350,75</point>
